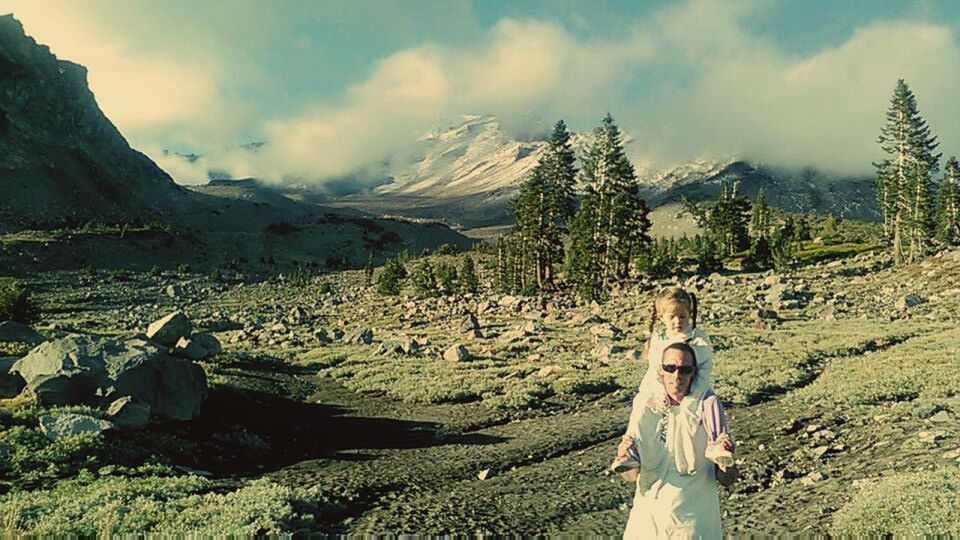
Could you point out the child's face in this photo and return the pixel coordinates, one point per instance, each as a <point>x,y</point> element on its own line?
<point>675,317</point>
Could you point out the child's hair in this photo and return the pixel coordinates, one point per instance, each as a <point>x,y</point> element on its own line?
<point>672,295</point>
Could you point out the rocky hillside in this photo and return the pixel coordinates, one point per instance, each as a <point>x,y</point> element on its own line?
<point>61,160</point>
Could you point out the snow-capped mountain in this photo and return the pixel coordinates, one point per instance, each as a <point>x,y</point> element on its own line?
<point>466,174</point>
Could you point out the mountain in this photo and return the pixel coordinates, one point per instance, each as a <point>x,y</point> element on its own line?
<point>61,160</point>
<point>63,164</point>
<point>466,174</point>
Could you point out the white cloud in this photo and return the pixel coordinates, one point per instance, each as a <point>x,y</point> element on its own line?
<point>136,89</point>
<point>689,80</point>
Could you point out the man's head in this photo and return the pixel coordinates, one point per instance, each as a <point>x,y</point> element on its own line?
<point>677,370</point>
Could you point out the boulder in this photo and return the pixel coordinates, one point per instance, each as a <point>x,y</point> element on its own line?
<point>10,383</point>
<point>60,426</point>
<point>605,331</point>
<point>457,353</point>
<point>189,349</point>
<point>362,336</point>
<point>81,369</point>
<point>469,323</point>
<point>209,343</point>
<point>14,331</point>
<point>168,330</point>
<point>908,301</point>
<point>128,413</point>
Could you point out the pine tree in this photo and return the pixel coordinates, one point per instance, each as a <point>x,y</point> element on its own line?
<point>760,216</point>
<point>543,209</point>
<point>948,204</point>
<point>424,280</point>
<point>726,219</point>
<point>368,270</point>
<point>904,176</point>
<point>468,276</point>
<point>582,263</point>
<point>391,277</point>
<point>621,224</point>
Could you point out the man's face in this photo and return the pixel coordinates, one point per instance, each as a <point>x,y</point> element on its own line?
<point>677,384</point>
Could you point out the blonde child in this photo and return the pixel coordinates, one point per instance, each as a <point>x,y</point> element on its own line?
<point>676,309</point>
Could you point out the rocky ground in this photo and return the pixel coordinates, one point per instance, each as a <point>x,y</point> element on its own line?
<point>500,414</point>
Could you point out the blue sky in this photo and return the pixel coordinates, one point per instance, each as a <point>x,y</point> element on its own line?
<point>338,85</point>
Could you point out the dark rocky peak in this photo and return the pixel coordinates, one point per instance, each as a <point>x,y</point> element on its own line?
<point>61,160</point>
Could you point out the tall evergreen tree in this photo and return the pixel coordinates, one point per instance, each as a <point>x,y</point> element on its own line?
<point>621,225</point>
<point>904,175</point>
<point>582,263</point>
<point>469,283</point>
<point>543,208</point>
<point>948,204</point>
<point>760,216</point>
<point>726,219</point>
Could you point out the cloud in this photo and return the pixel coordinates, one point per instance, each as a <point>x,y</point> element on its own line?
<point>692,79</point>
<point>823,110</point>
<point>137,89</point>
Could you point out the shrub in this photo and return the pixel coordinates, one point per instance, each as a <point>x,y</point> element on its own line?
<point>468,276</point>
<point>445,249</point>
<point>15,302</point>
<point>758,257</point>
<point>183,269</point>
<point>325,288</point>
<point>447,278</point>
<point>391,277</point>
<point>904,505</point>
<point>593,384</point>
<point>424,280</point>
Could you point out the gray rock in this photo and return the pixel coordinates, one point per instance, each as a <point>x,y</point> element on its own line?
<point>10,383</point>
<point>173,291</point>
<point>469,323</point>
<point>14,331</point>
<point>908,301</point>
<point>362,336</point>
<point>605,330</point>
<point>409,346</point>
<point>457,353</point>
<point>168,330</point>
<point>128,413</point>
<point>322,335</point>
<point>189,349</point>
<point>209,343</point>
<point>60,426</point>
<point>79,369</point>
<point>337,333</point>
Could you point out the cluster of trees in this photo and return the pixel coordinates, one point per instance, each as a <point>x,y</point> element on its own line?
<point>593,239</point>
<point>912,221</point>
<point>428,280</point>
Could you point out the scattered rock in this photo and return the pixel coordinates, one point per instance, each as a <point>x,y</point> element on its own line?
<point>469,323</point>
<point>363,336</point>
<point>60,426</point>
<point>11,384</point>
<point>908,301</point>
<point>80,369</point>
<point>605,331</point>
<point>813,478</point>
<point>128,413</point>
<point>189,349</point>
<point>484,474</point>
<point>168,330</point>
<point>14,331</point>
<point>547,371</point>
<point>457,353</point>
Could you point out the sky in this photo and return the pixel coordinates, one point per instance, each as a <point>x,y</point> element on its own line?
<point>337,85</point>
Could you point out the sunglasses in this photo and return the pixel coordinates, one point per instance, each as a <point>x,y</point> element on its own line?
<point>673,368</point>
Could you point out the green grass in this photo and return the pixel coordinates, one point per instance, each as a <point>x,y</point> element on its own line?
<point>904,505</point>
<point>811,252</point>
<point>763,362</point>
<point>110,505</point>
<point>925,367</point>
